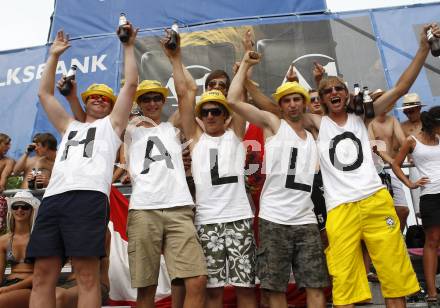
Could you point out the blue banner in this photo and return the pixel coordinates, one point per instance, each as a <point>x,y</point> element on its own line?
<point>84,17</point>
<point>20,73</point>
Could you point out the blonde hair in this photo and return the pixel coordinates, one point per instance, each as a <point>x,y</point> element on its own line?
<point>10,220</point>
<point>324,84</point>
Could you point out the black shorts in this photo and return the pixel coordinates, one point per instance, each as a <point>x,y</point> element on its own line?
<point>319,201</point>
<point>70,224</point>
<point>430,210</point>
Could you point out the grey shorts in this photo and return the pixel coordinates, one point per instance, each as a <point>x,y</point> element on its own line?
<point>230,253</point>
<point>286,247</point>
<point>399,197</point>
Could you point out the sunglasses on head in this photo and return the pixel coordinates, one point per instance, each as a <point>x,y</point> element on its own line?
<point>147,99</point>
<point>24,207</point>
<point>214,112</point>
<point>99,96</point>
<point>217,83</point>
<point>330,89</point>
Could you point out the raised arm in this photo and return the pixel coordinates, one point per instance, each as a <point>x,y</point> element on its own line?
<point>406,148</point>
<point>263,119</point>
<point>54,110</point>
<point>260,100</point>
<point>409,75</point>
<point>21,163</point>
<point>75,105</point>
<point>124,102</point>
<point>185,98</point>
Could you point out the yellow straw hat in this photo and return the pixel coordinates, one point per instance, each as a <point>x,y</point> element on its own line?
<point>212,96</point>
<point>101,89</point>
<point>291,88</point>
<point>150,86</point>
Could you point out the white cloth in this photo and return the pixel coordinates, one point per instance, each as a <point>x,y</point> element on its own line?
<point>427,161</point>
<point>347,167</point>
<point>85,158</point>
<point>156,168</point>
<point>218,172</point>
<point>285,198</point>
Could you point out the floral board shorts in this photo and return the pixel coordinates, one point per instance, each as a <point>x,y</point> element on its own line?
<point>230,253</point>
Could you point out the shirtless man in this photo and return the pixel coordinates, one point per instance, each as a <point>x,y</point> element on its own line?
<point>6,163</point>
<point>387,129</point>
<point>411,107</point>
<point>45,147</point>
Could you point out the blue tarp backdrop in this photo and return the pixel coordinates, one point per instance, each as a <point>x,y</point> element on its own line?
<point>371,47</point>
<point>91,17</point>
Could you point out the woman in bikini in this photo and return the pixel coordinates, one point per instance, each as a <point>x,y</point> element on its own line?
<point>15,288</point>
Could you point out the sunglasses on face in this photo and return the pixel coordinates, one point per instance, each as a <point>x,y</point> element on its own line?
<point>147,99</point>
<point>213,111</point>
<point>217,84</point>
<point>314,99</point>
<point>102,97</point>
<point>330,89</point>
<point>24,207</point>
<point>410,110</point>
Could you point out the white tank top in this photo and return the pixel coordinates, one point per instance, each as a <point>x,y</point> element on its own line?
<point>290,164</point>
<point>347,166</point>
<point>217,169</point>
<point>85,158</point>
<point>156,168</point>
<point>427,161</point>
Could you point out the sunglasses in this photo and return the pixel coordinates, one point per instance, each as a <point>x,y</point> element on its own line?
<point>411,110</point>
<point>314,99</point>
<point>330,90</point>
<point>147,99</point>
<point>24,207</point>
<point>217,84</point>
<point>99,96</point>
<point>213,111</point>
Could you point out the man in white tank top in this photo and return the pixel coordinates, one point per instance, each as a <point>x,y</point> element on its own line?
<point>160,218</point>
<point>359,207</point>
<point>73,216</point>
<point>289,235</point>
<point>223,213</point>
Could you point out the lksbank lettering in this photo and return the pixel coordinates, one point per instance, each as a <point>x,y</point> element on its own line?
<point>19,75</point>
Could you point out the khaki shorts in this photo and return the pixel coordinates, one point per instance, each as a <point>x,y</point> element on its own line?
<point>374,221</point>
<point>171,231</point>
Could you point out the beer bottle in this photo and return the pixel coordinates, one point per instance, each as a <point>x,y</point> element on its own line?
<point>38,185</point>
<point>368,104</point>
<point>357,100</point>
<point>434,42</point>
<point>172,43</point>
<point>31,182</point>
<point>123,33</point>
<point>67,86</point>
